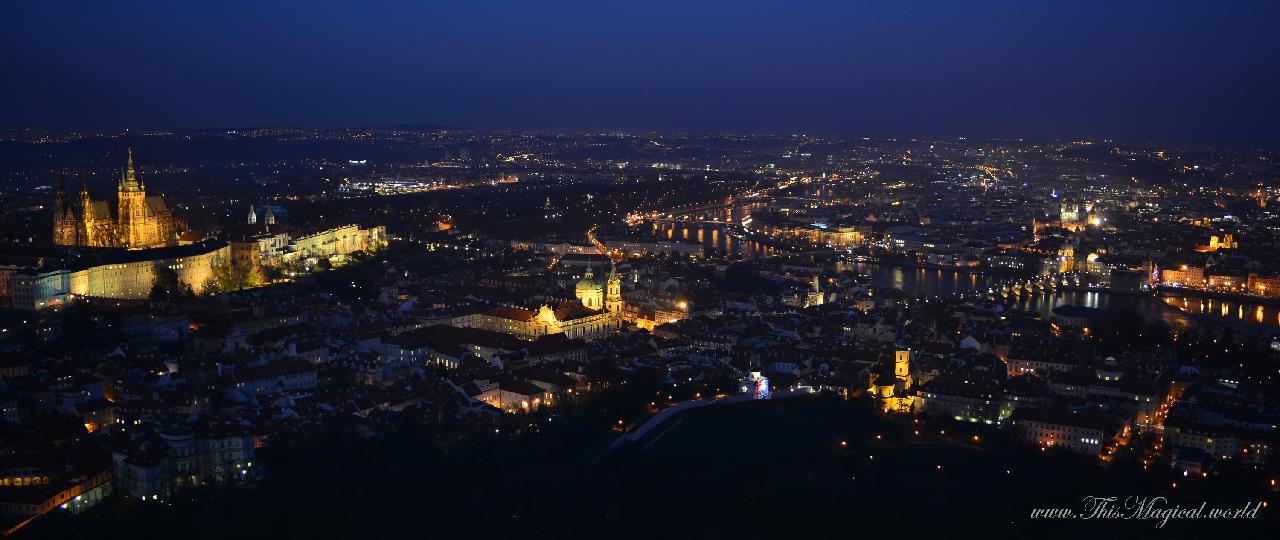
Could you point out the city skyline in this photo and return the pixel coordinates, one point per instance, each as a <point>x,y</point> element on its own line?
<point>1177,73</point>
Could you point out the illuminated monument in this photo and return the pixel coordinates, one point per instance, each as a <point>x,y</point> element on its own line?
<point>139,222</point>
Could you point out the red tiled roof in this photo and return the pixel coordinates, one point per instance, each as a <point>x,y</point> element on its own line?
<point>512,313</point>
<point>573,310</point>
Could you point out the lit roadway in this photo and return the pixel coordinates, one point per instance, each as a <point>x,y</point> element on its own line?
<point>591,237</point>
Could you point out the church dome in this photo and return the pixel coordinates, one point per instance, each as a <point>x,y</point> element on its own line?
<point>588,280</point>
<point>589,291</point>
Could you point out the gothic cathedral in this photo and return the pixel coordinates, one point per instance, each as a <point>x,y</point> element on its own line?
<point>139,222</point>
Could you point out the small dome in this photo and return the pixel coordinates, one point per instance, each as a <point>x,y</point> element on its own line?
<point>588,280</point>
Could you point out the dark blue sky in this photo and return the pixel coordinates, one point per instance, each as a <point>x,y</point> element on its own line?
<point>1178,71</point>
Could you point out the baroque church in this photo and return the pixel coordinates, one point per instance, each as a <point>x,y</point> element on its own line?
<point>139,221</point>
<point>596,313</point>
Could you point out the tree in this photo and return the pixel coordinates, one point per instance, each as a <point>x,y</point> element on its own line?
<point>234,277</point>
<point>255,276</point>
<point>165,285</point>
<point>223,279</point>
<point>271,274</point>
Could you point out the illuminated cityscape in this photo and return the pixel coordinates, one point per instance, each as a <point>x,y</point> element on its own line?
<point>589,305</point>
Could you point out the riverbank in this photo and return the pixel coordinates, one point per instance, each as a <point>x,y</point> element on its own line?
<point>1249,299</point>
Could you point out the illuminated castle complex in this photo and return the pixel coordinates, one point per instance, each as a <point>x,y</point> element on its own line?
<point>139,222</point>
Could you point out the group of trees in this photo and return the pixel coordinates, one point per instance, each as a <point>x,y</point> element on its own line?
<point>168,287</point>
<point>235,277</point>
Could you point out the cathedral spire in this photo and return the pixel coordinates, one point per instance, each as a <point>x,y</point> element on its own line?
<point>129,182</point>
<point>60,205</point>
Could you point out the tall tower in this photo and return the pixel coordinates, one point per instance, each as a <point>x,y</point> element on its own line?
<point>84,235</point>
<point>60,203</point>
<point>815,297</point>
<point>902,367</point>
<point>132,208</point>
<point>70,218</point>
<point>613,291</point>
<point>253,216</point>
<point>65,221</point>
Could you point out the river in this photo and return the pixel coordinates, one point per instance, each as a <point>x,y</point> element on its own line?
<point>934,282</point>
<point>712,237</point>
<point>1186,310</point>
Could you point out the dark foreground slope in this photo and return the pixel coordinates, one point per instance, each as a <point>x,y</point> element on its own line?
<point>760,470</point>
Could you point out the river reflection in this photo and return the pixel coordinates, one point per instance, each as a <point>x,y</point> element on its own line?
<point>926,282</point>
<point>1248,313</point>
<point>725,214</point>
<point>931,282</point>
<point>711,236</point>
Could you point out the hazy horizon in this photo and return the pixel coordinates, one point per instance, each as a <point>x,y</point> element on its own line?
<point>1185,73</point>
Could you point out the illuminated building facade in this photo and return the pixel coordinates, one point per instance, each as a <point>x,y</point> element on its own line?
<point>646,319</point>
<point>513,396</point>
<point>139,222</point>
<point>1083,433</point>
<point>1226,242</point>
<point>122,275</point>
<point>333,242</point>
<point>1186,276</point>
<point>1264,285</point>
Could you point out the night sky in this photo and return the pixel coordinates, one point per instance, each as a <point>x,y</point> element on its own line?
<point>1176,71</point>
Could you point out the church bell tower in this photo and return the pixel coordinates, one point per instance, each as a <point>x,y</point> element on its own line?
<point>613,291</point>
